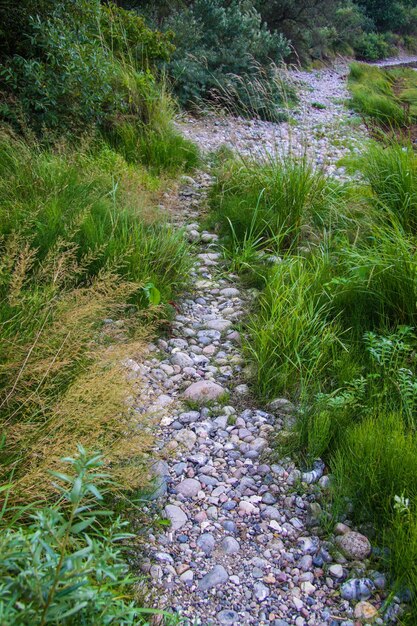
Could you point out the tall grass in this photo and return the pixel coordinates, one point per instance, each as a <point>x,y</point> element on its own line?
<point>77,247</point>
<point>335,327</point>
<point>391,172</point>
<point>273,199</point>
<point>384,96</point>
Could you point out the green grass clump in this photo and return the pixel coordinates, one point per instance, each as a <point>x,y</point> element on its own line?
<point>375,467</point>
<point>290,338</point>
<point>385,96</point>
<point>272,200</point>
<point>160,150</point>
<point>391,172</point>
<point>334,328</point>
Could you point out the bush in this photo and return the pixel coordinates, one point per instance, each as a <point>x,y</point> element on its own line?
<point>226,55</point>
<point>371,46</point>
<point>65,567</point>
<point>67,80</point>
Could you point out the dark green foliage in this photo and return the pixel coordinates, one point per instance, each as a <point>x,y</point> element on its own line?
<point>65,567</point>
<point>77,65</point>
<point>225,54</point>
<point>388,15</point>
<point>371,46</point>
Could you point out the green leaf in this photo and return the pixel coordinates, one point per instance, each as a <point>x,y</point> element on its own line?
<point>152,293</point>
<point>80,526</point>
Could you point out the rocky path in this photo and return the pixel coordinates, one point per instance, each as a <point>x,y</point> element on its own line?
<point>320,126</point>
<point>246,543</point>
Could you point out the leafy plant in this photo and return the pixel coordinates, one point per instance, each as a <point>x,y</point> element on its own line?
<point>67,565</point>
<point>225,54</point>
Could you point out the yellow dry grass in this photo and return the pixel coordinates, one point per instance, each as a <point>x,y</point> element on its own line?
<point>44,419</point>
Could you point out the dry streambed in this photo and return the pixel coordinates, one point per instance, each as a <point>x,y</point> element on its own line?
<point>245,544</point>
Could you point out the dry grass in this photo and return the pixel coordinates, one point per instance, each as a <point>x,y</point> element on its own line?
<point>46,418</point>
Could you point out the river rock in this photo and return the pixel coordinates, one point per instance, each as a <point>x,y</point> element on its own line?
<point>354,545</point>
<point>365,611</point>
<point>176,516</point>
<point>189,487</point>
<point>357,589</point>
<point>203,390</point>
<point>216,576</point>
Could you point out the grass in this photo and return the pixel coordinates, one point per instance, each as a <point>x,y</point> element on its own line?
<point>79,243</point>
<point>384,96</point>
<point>334,326</point>
<point>269,202</point>
<point>154,143</point>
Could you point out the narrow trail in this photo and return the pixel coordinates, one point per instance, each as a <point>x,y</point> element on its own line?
<point>245,545</point>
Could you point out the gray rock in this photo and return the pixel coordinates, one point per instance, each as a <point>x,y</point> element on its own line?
<point>176,516</point>
<point>357,589</point>
<point>187,577</point>
<point>206,543</point>
<point>336,571</point>
<point>189,487</point>
<point>271,512</point>
<point>160,470</point>
<point>281,405</point>
<point>230,292</point>
<point>186,438</point>
<point>219,324</point>
<point>189,417</point>
<point>216,576</point>
<point>229,545</point>
<point>204,390</point>
<point>354,545</point>
<point>261,591</point>
<point>227,617</point>
<point>182,359</point>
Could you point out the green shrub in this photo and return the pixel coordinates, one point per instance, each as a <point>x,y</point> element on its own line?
<point>61,202</point>
<point>376,282</point>
<point>224,53</point>
<point>67,79</point>
<point>68,566</point>
<point>371,46</point>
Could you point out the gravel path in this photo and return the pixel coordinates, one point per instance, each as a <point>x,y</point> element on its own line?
<point>245,545</point>
<point>321,126</point>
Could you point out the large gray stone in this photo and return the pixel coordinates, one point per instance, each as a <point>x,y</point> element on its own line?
<point>181,359</point>
<point>229,545</point>
<point>189,487</point>
<point>219,324</point>
<point>216,576</point>
<point>203,390</point>
<point>176,516</point>
<point>206,543</point>
<point>228,617</point>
